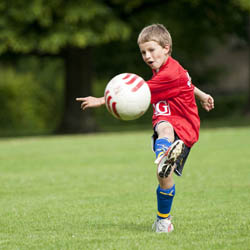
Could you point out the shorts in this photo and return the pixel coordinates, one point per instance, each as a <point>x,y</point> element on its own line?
<point>181,161</point>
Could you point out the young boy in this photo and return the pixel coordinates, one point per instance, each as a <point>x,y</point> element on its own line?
<point>175,116</point>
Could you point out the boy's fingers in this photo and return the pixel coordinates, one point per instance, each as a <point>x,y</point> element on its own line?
<point>83,105</point>
<point>80,99</point>
<point>211,100</point>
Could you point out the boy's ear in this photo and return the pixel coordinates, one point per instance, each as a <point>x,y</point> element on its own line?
<point>167,48</point>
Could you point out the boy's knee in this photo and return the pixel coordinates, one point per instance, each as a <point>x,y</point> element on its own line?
<point>165,129</point>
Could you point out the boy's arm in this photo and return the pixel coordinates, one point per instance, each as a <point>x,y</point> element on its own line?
<point>90,102</point>
<point>207,101</point>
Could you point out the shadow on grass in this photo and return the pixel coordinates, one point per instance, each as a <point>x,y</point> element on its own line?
<point>135,227</point>
<point>122,226</point>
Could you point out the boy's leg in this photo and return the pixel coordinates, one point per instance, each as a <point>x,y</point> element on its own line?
<point>165,137</point>
<point>164,147</point>
<point>165,194</point>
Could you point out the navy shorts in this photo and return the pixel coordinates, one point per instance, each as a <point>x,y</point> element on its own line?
<point>181,161</point>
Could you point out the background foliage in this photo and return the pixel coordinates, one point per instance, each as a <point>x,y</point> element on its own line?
<point>31,101</point>
<point>36,38</point>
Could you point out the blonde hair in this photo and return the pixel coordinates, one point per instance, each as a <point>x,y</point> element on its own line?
<point>157,33</point>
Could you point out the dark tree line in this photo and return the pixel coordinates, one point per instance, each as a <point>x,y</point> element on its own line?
<point>87,34</point>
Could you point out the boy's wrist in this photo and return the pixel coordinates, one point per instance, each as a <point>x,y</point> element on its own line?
<point>102,100</point>
<point>200,94</point>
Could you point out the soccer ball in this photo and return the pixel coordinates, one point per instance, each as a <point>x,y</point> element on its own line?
<point>127,96</point>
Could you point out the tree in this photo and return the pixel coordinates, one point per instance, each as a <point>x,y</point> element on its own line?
<point>73,30</point>
<point>196,26</point>
<point>68,29</point>
<point>245,5</point>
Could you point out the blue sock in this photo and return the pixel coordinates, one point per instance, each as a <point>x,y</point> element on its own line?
<point>164,199</point>
<point>161,146</point>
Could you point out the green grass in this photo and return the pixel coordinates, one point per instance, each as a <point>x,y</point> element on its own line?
<point>98,192</point>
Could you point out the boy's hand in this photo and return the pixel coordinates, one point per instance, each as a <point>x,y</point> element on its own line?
<point>90,102</point>
<point>207,102</point>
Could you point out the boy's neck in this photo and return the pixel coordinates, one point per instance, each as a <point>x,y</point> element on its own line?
<point>157,70</point>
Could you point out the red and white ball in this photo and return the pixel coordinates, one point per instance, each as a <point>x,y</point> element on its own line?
<point>127,96</point>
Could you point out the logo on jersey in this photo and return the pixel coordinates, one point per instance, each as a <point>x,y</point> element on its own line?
<point>161,108</point>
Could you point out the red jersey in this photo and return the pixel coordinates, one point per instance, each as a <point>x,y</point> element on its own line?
<point>172,97</point>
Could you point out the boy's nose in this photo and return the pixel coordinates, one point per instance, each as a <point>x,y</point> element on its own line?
<point>147,55</point>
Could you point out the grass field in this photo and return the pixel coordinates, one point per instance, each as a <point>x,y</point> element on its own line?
<point>98,192</point>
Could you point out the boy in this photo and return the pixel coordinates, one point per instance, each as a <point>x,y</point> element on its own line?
<point>175,116</point>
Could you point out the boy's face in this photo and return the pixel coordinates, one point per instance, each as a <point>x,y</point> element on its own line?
<point>153,54</point>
